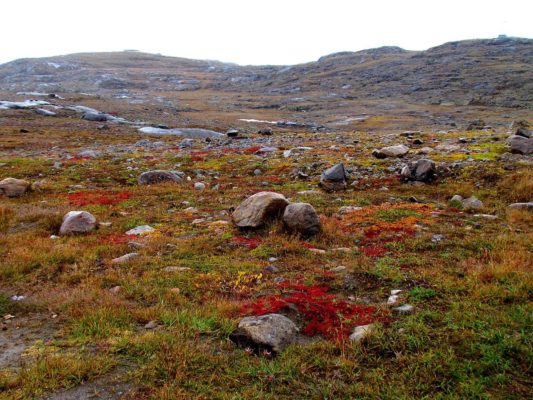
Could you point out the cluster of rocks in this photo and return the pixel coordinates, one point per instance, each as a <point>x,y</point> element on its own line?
<point>260,208</point>
<point>470,203</point>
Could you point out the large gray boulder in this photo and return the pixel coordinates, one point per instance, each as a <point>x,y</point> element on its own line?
<point>520,144</point>
<point>12,187</point>
<point>399,150</point>
<point>158,176</point>
<point>77,222</point>
<point>301,218</point>
<point>334,178</point>
<point>423,170</point>
<point>258,209</point>
<point>271,332</point>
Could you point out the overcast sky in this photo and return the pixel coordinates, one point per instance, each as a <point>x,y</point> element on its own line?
<point>248,31</point>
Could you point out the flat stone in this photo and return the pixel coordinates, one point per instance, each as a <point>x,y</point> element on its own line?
<point>521,206</point>
<point>125,258</point>
<point>140,230</point>
<point>404,309</point>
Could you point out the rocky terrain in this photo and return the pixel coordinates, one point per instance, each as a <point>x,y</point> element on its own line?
<point>355,227</point>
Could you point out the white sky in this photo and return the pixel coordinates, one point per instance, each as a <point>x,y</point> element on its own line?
<point>250,31</point>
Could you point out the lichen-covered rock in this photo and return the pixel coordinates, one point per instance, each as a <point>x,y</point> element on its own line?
<point>269,332</point>
<point>258,209</point>
<point>77,222</point>
<point>423,170</point>
<point>399,150</point>
<point>12,187</point>
<point>301,218</point>
<point>158,176</point>
<point>334,178</point>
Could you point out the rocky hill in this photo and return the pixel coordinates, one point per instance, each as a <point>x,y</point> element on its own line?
<point>494,72</point>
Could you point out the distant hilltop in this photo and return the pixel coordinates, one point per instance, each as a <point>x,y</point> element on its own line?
<point>495,72</point>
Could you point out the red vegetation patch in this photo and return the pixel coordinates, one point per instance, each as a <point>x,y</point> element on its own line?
<point>251,150</point>
<point>324,313</point>
<point>309,246</point>
<point>375,250</point>
<point>98,197</point>
<point>198,155</point>
<point>117,239</point>
<point>251,243</point>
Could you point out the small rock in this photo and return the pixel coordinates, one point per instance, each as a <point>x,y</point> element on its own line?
<point>301,218</point>
<point>271,268</point>
<point>186,143</point>
<point>404,309</point>
<point>334,178</point>
<point>151,325</point>
<point>393,299</point>
<point>340,268</point>
<point>271,331</point>
<point>437,238</point>
<point>232,132</point>
<point>423,170</point>
<point>472,203</point>
<point>12,187</point>
<point>115,289</point>
<point>140,230</point>
<point>360,332</point>
<point>520,144</point>
<point>258,209</point>
<point>521,206</point>
<point>199,186</point>
<point>125,258</point>
<point>158,176</point>
<point>77,222</point>
<point>349,209</point>
<point>265,131</point>
<point>399,150</point>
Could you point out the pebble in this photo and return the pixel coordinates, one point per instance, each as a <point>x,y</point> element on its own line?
<point>437,238</point>
<point>340,268</point>
<point>404,309</point>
